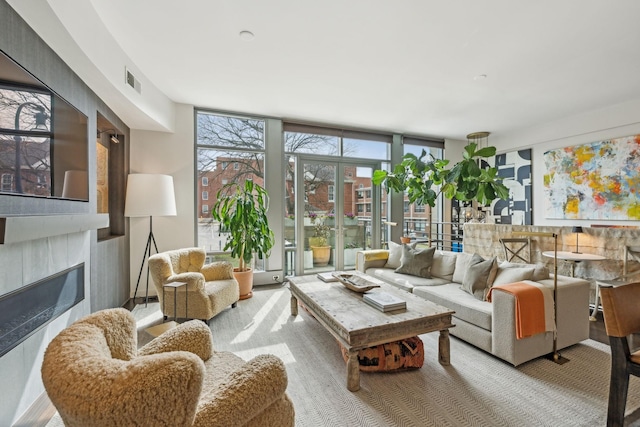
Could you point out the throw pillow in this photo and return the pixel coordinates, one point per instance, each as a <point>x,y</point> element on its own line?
<point>463,261</point>
<point>512,275</point>
<point>444,264</point>
<point>476,278</point>
<point>540,272</point>
<point>416,262</point>
<point>395,255</point>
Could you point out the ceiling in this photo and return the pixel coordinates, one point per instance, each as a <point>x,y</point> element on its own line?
<point>424,67</point>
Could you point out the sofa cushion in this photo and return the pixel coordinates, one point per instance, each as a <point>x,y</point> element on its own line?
<point>395,255</point>
<point>402,281</point>
<point>416,262</point>
<point>464,304</point>
<point>444,264</point>
<point>477,278</point>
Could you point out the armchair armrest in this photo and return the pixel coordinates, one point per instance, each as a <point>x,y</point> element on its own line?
<point>220,270</point>
<point>194,280</point>
<point>172,381</point>
<point>371,258</point>
<point>258,383</point>
<point>193,336</point>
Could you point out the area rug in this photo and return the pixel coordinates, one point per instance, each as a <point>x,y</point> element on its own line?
<point>476,390</point>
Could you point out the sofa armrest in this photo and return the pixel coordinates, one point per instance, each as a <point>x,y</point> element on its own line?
<point>371,258</point>
<point>220,270</point>
<point>194,280</point>
<point>257,384</point>
<point>193,336</point>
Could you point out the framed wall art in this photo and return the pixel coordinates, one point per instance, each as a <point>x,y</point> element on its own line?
<point>515,169</point>
<point>598,181</point>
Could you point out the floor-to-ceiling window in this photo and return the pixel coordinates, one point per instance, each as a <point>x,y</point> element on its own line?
<point>228,149</point>
<point>324,190</point>
<point>332,210</point>
<point>424,223</point>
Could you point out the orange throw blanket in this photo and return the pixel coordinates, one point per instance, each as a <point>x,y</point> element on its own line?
<point>530,318</point>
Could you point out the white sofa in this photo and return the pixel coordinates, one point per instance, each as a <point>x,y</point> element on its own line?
<point>489,325</point>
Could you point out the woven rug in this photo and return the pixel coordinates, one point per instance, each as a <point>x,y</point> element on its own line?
<point>476,390</point>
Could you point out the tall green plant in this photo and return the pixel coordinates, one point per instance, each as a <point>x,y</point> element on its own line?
<point>425,177</point>
<point>241,210</point>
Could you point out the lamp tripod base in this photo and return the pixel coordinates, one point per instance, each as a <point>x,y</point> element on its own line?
<point>557,358</point>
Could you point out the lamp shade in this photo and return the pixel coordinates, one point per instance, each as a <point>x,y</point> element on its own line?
<point>576,230</point>
<point>75,185</point>
<point>150,195</point>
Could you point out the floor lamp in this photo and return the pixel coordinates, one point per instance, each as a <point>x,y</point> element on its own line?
<point>555,355</point>
<point>149,195</point>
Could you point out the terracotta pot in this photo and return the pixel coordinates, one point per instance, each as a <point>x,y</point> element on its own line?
<point>405,240</point>
<point>321,255</point>
<point>245,282</point>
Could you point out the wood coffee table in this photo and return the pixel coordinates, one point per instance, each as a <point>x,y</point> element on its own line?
<point>357,325</point>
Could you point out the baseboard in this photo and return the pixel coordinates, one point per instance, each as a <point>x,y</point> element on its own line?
<point>39,413</point>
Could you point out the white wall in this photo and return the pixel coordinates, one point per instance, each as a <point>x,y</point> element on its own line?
<point>617,121</point>
<point>170,154</point>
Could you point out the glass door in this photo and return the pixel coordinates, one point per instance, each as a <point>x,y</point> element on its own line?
<point>338,214</point>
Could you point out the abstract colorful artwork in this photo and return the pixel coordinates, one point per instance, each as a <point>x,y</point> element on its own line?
<point>599,180</point>
<point>514,168</point>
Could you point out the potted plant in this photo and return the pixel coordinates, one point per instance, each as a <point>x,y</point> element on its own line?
<point>424,178</point>
<point>319,241</point>
<point>350,251</point>
<point>241,210</point>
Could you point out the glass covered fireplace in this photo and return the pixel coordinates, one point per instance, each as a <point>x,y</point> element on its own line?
<point>25,310</point>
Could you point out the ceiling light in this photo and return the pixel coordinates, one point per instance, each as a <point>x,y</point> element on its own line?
<point>481,139</point>
<point>246,35</point>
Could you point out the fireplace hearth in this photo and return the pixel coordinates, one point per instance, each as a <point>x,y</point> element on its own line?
<point>25,310</point>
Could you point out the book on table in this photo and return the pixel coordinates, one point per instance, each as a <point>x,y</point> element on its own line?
<point>327,277</point>
<point>384,301</point>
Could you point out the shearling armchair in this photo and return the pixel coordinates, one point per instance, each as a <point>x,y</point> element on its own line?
<point>96,377</point>
<point>211,287</point>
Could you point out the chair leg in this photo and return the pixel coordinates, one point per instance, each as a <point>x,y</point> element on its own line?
<point>234,305</point>
<point>618,385</point>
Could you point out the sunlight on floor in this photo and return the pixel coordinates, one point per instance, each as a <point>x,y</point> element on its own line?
<point>281,350</point>
<point>147,316</point>
<point>258,318</point>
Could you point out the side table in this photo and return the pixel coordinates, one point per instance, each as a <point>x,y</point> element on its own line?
<point>175,286</point>
<point>573,257</point>
<point>165,326</point>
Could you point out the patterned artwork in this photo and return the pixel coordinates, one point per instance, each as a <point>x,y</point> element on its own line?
<point>599,180</point>
<point>515,169</point>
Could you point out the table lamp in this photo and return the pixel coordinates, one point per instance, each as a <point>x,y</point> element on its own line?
<point>577,230</point>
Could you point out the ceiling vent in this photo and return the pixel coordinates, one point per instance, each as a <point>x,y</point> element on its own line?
<point>131,80</point>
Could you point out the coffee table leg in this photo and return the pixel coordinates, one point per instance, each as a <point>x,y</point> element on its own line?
<point>294,306</point>
<point>353,371</point>
<point>444,350</point>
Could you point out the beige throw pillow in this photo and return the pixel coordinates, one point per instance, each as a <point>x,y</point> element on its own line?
<point>463,261</point>
<point>444,264</point>
<point>540,272</point>
<point>416,262</point>
<point>395,255</point>
<point>512,275</point>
